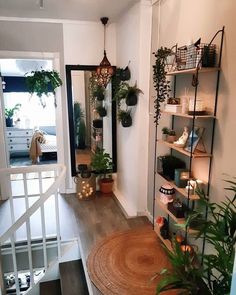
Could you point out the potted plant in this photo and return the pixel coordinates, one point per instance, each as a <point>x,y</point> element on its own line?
<point>101,111</point>
<point>101,165</point>
<point>171,137</point>
<point>9,113</point>
<point>165,132</point>
<point>161,84</point>
<point>214,277</point>
<point>132,95</point>
<point>99,92</point>
<point>129,93</point>
<point>125,118</point>
<point>42,83</point>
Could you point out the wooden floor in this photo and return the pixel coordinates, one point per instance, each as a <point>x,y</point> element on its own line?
<point>97,218</point>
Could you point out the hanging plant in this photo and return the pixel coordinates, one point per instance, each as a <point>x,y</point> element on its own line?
<point>128,93</point>
<point>125,118</point>
<point>43,83</point>
<point>97,92</point>
<point>101,111</point>
<point>161,84</point>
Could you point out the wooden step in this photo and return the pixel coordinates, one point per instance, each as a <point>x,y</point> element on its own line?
<point>73,281</point>
<point>50,288</point>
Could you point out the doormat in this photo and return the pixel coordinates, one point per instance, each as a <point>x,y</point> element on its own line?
<point>125,262</point>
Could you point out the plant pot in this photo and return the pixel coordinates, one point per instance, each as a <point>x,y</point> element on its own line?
<point>171,138</point>
<point>97,123</point>
<point>127,121</point>
<point>106,185</point>
<point>131,99</point>
<point>9,122</point>
<point>125,74</point>
<point>102,112</point>
<point>100,97</point>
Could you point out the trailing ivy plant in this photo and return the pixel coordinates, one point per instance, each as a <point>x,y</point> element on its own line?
<point>161,84</point>
<point>214,277</point>
<point>43,83</point>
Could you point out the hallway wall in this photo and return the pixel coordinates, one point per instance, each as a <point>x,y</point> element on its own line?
<point>133,44</point>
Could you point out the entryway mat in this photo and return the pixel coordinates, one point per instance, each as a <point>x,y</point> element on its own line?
<point>125,262</point>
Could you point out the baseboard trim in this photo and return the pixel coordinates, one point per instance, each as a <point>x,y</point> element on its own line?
<point>121,202</point>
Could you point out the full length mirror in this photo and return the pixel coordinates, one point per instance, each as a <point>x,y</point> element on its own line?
<point>92,116</point>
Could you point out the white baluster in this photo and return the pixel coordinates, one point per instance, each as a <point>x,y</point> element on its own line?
<point>28,230</point>
<point>13,249</point>
<point>57,219</point>
<point>43,223</point>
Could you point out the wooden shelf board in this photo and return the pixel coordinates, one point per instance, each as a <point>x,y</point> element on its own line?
<point>196,154</point>
<point>189,116</point>
<point>164,208</point>
<point>167,242</point>
<point>182,191</point>
<point>193,71</point>
<point>177,220</point>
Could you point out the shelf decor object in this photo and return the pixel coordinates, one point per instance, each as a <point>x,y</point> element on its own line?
<point>192,60</point>
<point>181,177</point>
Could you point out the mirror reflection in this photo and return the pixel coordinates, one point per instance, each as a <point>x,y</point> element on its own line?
<point>93,117</point>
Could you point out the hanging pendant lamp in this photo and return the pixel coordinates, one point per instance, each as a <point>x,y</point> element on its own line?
<point>105,70</point>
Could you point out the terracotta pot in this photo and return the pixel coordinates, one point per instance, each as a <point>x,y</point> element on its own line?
<point>106,185</point>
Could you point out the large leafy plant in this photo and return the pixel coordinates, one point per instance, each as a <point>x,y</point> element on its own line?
<point>42,83</point>
<point>219,231</point>
<point>161,84</point>
<point>101,163</point>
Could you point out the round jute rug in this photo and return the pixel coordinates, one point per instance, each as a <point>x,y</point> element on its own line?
<point>125,262</point>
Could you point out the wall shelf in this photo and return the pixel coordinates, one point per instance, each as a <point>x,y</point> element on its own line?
<point>196,154</point>
<point>193,71</point>
<point>166,242</point>
<point>189,116</point>
<point>164,208</point>
<point>182,191</point>
<point>189,200</point>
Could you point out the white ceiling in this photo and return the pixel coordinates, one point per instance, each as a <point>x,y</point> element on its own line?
<point>90,10</point>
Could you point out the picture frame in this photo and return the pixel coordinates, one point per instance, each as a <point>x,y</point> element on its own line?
<point>196,134</point>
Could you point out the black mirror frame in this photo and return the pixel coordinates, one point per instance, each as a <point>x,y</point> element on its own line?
<point>70,68</point>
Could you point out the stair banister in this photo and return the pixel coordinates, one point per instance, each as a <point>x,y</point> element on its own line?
<point>59,175</point>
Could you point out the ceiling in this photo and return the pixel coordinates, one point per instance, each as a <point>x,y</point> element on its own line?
<point>89,10</point>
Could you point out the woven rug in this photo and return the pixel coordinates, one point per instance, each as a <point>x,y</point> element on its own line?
<point>125,262</point>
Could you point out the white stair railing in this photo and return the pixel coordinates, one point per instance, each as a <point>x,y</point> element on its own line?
<point>28,183</point>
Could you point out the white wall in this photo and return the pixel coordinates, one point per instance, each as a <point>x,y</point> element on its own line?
<point>185,20</point>
<point>133,44</point>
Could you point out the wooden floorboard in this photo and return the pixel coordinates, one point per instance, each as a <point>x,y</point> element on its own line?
<point>50,288</point>
<point>73,281</point>
<point>98,218</point>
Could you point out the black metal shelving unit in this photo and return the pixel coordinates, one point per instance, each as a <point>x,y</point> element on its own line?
<point>191,155</point>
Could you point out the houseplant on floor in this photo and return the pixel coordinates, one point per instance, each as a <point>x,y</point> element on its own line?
<point>101,165</point>
<point>214,277</point>
<point>43,83</point>
<point>9,113</point>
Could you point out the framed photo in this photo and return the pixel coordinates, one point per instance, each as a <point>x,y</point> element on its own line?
<point>194,137</point>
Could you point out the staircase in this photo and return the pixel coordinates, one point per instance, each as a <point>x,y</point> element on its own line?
<point>72,280</point>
